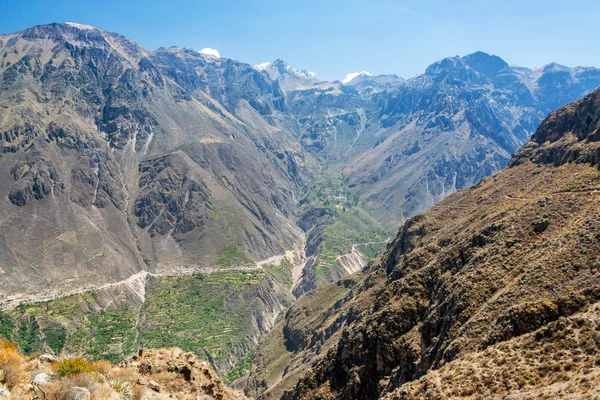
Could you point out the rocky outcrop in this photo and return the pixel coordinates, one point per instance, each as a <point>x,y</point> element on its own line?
<point>571,134</point>
<point>187,376</point>
<point>150,374</point>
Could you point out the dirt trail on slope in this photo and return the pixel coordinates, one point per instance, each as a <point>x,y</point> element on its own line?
<point>134,281</point>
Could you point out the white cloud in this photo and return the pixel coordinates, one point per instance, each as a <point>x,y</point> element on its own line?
<point>210,52</point>
<point>353,75</point>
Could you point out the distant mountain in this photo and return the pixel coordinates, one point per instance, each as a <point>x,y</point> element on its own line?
<point>350,77</point>
<point>492,293</point>
<point>288,77</point>
<point>408,144</point>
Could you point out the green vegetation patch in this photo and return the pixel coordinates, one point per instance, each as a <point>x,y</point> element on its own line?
<point>72,324</point>
<point>232,255</point>
<point>353,224</point>
<point>241,368</point>
<point>108,334</point>
<point>209,315</point>
<point>351,227</point>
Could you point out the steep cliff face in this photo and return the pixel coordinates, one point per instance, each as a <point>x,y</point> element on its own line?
<point>119,159</point>
<point>478,281</point>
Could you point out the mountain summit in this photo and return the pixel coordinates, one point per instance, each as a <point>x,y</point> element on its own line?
<point>285,74</point>
<point>136,160</point>
<point>351,76</point>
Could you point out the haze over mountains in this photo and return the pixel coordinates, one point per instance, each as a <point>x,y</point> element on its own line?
<point>133,178</point>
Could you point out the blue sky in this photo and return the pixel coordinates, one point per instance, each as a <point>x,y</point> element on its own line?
<point>334,37</point>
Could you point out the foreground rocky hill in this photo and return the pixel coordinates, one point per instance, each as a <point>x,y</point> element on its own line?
<point>493,293</point>
<point>149,374</point>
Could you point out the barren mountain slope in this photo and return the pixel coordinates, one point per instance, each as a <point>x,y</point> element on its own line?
<point>491,283</point>
<point>118,159</point>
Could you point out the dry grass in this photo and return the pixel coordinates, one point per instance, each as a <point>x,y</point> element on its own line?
<point>58,389</point>
<point>102,366</point>
<point>12,365</point>
<point>127,374</point>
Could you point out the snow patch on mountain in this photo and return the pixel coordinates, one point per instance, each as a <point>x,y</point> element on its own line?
<point>262,66</point>
<point>353,75</point>
<point>210,52</point>
<point>79,26</point>
<point>282,67</point>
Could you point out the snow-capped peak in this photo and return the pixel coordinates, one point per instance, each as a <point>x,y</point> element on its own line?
<point>353,75</point>
<point>210,52</point>
<point>281,67</point>
<point>262,66</point>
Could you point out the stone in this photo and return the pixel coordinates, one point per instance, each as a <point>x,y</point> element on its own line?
<point>49,358</point>
<point>42,378</point>
<point>4,393</point>
<point>77,393</point>
<point>154,386</point>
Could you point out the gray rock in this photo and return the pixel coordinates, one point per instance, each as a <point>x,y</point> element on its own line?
<point>42,378</point>
<point>49,358</point>
<point>154,386</point>
<point>78,393</point>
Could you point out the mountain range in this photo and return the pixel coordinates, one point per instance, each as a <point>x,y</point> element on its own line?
<point>159,190</point>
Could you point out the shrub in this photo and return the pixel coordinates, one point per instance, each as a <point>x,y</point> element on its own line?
<point>122,386</point>
<point>70,366</point>
<point>11,364</point>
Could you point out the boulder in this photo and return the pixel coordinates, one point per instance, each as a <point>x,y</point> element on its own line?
<point>42,378</point>
<point>49,358</point>
<point>154,386</point>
